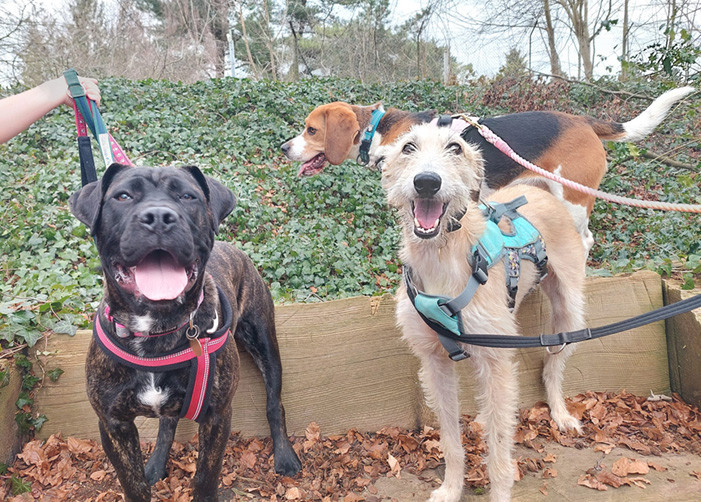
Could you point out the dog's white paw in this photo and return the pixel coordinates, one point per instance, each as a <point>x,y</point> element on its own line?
<point>566,422</point>
<point>446,494</point>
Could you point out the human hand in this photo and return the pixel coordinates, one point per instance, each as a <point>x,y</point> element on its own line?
<point>92,91</point>
<point>59,88</point>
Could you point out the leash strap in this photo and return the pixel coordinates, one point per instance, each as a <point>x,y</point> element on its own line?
<point>520,342</point>
<point>87,116</point>
<point>504,148</point>
<point>364,152</point>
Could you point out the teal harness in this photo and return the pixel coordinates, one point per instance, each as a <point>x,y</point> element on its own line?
<point>443,314</point>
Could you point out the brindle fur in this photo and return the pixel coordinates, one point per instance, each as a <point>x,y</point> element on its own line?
<point>114,389</point>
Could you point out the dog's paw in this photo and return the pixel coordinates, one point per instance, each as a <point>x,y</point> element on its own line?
<point>154,473</point>
<point>446,494</point>
<point>566,422</point>
<point>287,462</point>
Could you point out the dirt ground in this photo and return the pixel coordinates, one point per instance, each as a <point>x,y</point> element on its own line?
<point>632,448</point>
<point>674,484</point>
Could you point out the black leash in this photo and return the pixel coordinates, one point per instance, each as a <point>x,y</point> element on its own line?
<point>520,342</point>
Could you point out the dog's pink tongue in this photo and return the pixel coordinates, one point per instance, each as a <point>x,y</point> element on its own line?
<point>159,277</point>
<point>427,211</point>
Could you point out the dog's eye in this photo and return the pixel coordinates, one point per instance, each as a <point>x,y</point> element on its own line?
<point>409,148</point>
<point>454,148</point>
<point>187,196</point>
<point>123,196</point>
<point>311,131</point>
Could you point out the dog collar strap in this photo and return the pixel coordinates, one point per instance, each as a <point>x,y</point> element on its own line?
<point>364,153</point>
<point>202,366</point>
<point>123,331</point>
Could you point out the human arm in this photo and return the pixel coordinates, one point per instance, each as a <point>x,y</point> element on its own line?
<point>19,111</point>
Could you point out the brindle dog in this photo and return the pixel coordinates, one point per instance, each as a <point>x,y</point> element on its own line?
<point>155,233</point>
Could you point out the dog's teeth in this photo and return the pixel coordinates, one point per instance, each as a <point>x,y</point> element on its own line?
<point>437,222</point>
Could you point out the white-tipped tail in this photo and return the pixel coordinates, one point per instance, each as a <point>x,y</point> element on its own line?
<point>645,123</point>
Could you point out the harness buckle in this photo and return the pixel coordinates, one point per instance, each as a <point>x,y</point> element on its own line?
<point>364,152</point>
<point>480,267</point>
<point>459,355</point>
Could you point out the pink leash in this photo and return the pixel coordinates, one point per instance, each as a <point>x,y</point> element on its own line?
<point>503,147</point>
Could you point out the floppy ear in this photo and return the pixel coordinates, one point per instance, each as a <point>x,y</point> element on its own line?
<point>221,200</point>
<point>86,203</point>
<point>341,129</point>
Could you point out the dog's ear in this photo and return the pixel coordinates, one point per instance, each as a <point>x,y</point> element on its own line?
<point>86,203</point>
<point>221,200</point>
<point>341,129</point>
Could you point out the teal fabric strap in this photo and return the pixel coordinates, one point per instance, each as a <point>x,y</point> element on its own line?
<point>364,152</point>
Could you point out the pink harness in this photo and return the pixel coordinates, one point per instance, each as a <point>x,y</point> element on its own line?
<point>201,366</point>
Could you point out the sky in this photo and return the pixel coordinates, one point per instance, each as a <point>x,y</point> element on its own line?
<point>487,53</point>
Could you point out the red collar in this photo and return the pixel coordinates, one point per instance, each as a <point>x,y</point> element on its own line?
<point>123,332</point>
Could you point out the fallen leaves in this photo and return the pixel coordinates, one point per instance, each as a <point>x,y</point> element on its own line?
<point>609,420</point>
<point>343,468</point>
<point>624,466</point>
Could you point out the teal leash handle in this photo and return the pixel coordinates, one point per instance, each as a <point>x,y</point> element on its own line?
<point>87,111</point>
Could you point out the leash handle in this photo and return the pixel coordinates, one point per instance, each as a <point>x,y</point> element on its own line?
<point>87,116</point>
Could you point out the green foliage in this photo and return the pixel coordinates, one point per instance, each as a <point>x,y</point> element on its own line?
<point>19,486</point>
<point>676,57</point>
<point>313,239</point>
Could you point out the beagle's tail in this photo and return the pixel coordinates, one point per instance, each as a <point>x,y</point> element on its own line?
<point>643,124</point>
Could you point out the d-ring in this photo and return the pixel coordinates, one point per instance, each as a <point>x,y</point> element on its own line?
<point>562,347</point>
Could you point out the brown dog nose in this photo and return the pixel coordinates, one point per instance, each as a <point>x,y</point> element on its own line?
<point>427,184</point>
<point>158,219</point>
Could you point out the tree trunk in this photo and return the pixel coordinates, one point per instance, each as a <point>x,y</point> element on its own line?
<point>251,62</point>
<point>294,69</point>
<point>269,40</point>
<point>555,68</point>
<point>624,44</point>
<point>578,14</point>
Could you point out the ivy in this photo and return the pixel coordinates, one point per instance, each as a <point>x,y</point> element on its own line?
<point>313,239</point>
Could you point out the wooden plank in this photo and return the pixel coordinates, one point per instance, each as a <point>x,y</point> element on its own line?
<point>9,439</point>
<point>634,360</point>
<point>684,342</point>
<point>345,365</point>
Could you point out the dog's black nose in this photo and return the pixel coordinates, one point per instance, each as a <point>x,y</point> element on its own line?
<point>285,147</point>
<point>427,184</point>
<point>158,219</point>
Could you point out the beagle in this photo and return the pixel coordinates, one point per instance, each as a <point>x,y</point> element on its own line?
<point>568,145</point>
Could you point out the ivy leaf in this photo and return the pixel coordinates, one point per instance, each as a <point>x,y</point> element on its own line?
<point>55,373</point>
<point>64,327</point>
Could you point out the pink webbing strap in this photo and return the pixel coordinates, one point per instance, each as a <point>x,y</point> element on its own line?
<point>80,124</point>
<point>503,147</point>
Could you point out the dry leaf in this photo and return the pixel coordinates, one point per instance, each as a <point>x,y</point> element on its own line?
<point>549,473</point>
<point>624,466</point>
<point>393,466</point>
<point>98,475</point>
<point>590,482</point>
<point>292,493</point>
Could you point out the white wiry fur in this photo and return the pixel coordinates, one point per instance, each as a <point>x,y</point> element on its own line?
<point>440,267</point>
<point>645,123</point>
